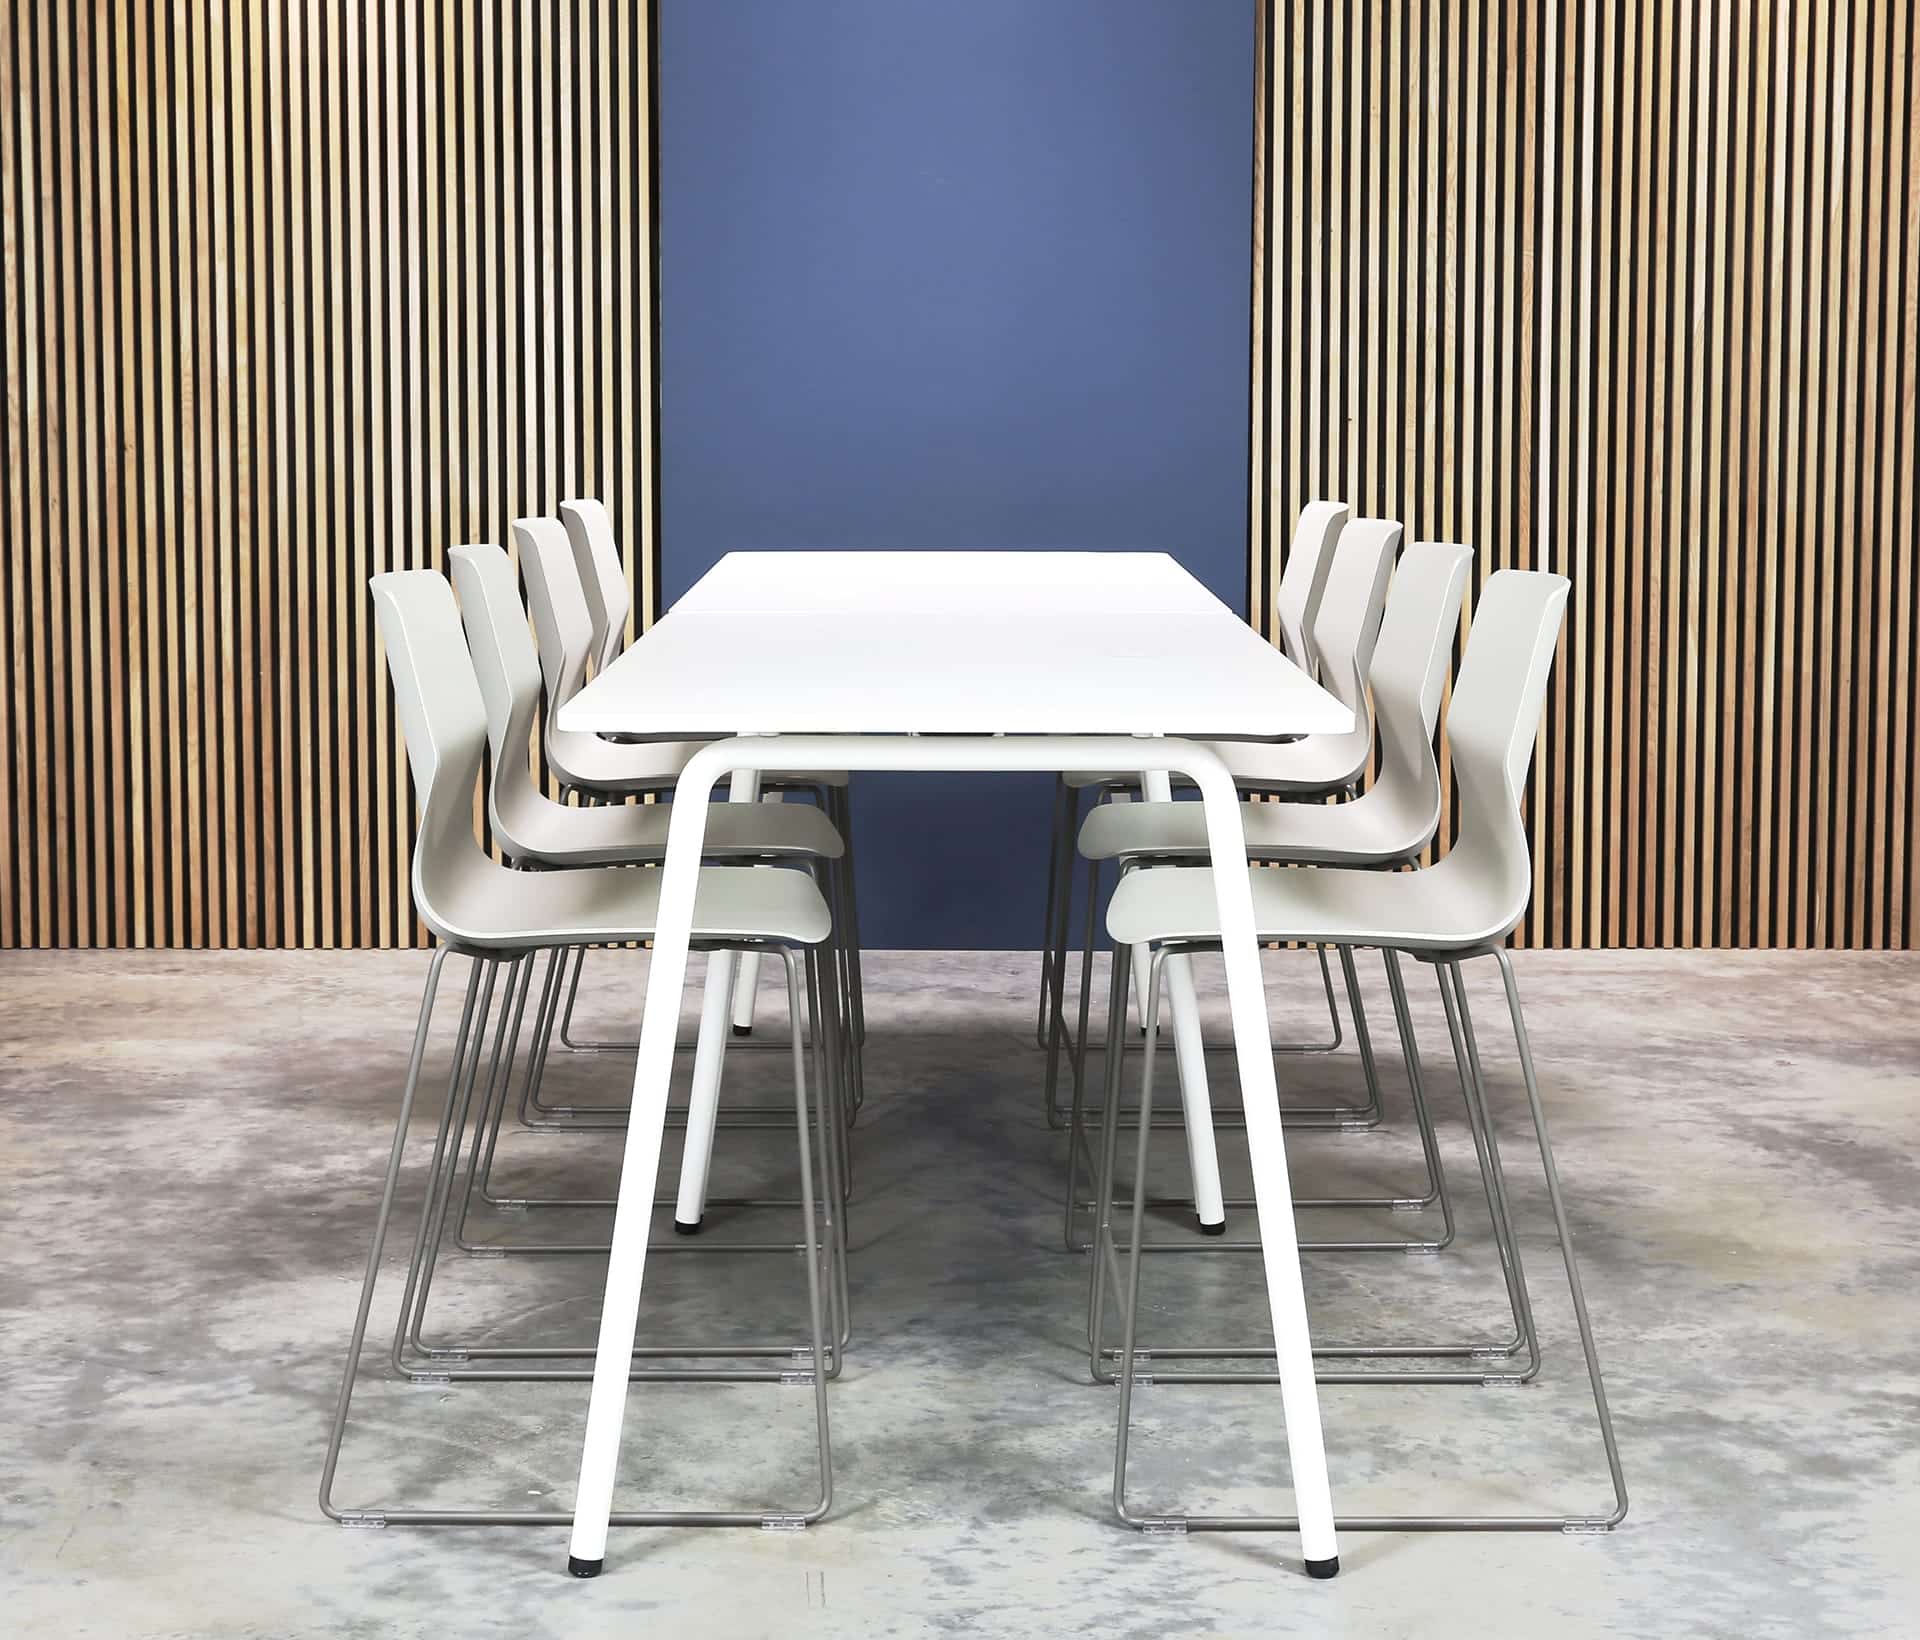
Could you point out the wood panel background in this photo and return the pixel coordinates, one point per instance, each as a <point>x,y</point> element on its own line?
<point>293,293</point>
<point>1629,292</point>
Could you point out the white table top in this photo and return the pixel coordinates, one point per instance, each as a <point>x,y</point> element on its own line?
<point>1058,643</point>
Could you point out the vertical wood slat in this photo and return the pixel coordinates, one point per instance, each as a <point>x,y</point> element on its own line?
<point>275,315</point>
<point>295,293</point>
<point>1649,279</point>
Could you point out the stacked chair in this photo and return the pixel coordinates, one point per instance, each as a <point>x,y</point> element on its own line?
<point>467,680</point>
<point>1347,890</point>
<point>1389,825</point>
<point>577,591</point>
<point>1332,603</point>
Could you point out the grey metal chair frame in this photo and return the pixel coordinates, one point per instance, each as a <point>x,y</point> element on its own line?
<point>1463,907</point>
<point>1131,1360</point>
<point>479,909</point>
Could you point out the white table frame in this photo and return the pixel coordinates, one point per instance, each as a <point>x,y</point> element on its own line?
<point>1253,1045</point>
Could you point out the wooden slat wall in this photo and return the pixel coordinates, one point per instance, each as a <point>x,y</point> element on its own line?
<point>1631,292</point>
<point>292,293</point>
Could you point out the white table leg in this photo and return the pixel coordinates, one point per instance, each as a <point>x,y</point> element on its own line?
<point>709,1060</point>
<point>746,986</point>
<point>640,1163</point>
<point>1266,1145</point>
<point>1203,1161</point>
<point>626,1264</point>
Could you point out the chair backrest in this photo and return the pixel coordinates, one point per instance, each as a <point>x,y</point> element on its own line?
<point>1303,583</point>
<point>1347,622</point>
<point>602,576</point>
<point>1492,724</point>
<point>1410,671</point>
<point>508,669</point>
<point>558,603</point>
<point>443,720</point>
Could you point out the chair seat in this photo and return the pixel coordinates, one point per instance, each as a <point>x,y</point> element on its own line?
<point>633,768</point>
<point>495,909</point>
<point>1361,833</point>
<point>1301,766</point>
<point>625,833</point>
<point>1439,909</point>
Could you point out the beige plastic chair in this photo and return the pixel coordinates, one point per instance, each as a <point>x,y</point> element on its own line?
<point>1343,633</point>
<point>534,830</point>
<point>1464,906</point>
<point>1329,604</point>
<point>1303,582</point>
<point>1387,825</point>
<point>596,555</point>
<point>1395,817</point>
<point>529,825</point>
<point>563,625</point>
<point>499,918</point>
<point>576,594</point>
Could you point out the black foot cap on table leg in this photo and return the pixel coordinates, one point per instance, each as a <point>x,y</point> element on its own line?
<point>584,1568</point>
<point>743,1030</point>
<point>1324,1568</point>
<point>682,1228</point>
<point>1219,1229</point>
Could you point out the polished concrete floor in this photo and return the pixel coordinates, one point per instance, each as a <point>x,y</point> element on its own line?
<point>190,1148</point>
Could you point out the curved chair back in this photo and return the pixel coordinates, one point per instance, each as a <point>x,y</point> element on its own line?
<point>602,576</point>
<point>1303,583</point>
<point>508,669</point>
<point>444,721</point>
<point>1492,724</point>
<point>558,604</point>
<point>1345,627</point>
<point>1409,672</point>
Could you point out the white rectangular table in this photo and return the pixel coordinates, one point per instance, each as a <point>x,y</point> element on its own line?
<point>1046,662</point>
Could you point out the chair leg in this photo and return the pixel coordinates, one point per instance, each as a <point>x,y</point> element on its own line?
<point>1135,1370</point>
<point>1588,1348</point>
<point>840,810</point>
<point>467,1043</point>
<point>810,1230</point>
<point>1492,1177</point>
<point>1432,1188</point>
<point>1078,1149</point>
<point>336,1432</point>
<point>1486,1355</point>
<point>1077,1057</point>
<point>831,1115</point>
<point>820,1355</point>
<point>1056,835</point>
<point>1435,1193</point>
<point>1102,1237</point>
<point>1136,1241</point>
<point>1054,991</point>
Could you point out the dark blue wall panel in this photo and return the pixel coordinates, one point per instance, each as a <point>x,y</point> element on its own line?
<point>948,275</point>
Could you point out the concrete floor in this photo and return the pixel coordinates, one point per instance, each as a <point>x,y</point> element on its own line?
<point>189,1152</point>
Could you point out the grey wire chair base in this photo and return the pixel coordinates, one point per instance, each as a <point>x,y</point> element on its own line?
<point>1492,1356</point>
<point>414,1359</point>
<point>1433,1190</point>
<point>1137,1366</point>
<point>1057,1039</point>
<point>529,1100</point>
<point>438,1357</point>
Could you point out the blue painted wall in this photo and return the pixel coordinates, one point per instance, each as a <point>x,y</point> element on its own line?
<point>941,274</point>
